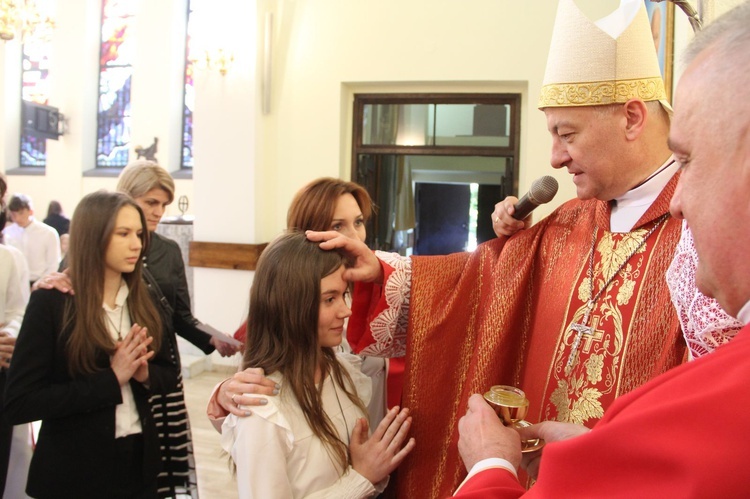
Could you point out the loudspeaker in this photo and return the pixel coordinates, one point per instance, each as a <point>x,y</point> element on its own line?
<point>42,121</point>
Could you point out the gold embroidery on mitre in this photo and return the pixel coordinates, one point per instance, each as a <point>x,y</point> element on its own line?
<point>601,92</point>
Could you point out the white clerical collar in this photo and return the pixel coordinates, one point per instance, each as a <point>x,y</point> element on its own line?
<point>744,314</point>
<point>630,207</point>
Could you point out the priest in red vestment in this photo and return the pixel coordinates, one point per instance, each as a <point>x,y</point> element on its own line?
<point>685,433</point>
<point>574,310</point>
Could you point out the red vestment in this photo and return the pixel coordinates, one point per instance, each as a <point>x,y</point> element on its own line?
<point>683,434</point>
<point>501,315</point>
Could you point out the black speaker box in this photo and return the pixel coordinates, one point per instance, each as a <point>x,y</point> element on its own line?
<point>42,121</point>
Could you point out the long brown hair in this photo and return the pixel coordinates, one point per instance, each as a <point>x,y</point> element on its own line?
<point>91,230</point>
<point>313,206</point>
<point>283,333</point>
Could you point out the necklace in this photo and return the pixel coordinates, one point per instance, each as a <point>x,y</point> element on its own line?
<point>582,327</point>
<point>117,330</point>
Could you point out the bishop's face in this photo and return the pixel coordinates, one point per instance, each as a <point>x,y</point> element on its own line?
<point>589,144</point>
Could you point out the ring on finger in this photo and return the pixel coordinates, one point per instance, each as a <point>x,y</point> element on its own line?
<point>497,220</point>
<point>234,401</point>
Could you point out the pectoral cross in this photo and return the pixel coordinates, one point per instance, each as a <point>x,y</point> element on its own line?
<point>580,328</point>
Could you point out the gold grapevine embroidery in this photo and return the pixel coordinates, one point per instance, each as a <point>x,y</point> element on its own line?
<point>596,329</point>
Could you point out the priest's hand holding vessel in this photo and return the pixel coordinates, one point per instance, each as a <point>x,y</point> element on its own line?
<point>511,406</point>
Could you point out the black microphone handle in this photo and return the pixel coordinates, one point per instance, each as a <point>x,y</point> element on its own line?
<point>524,206</point>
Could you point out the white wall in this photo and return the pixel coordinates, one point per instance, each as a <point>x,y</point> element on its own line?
<point>327,51</point>
<point>226,168</point>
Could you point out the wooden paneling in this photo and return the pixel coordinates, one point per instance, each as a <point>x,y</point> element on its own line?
<point>225,255</point>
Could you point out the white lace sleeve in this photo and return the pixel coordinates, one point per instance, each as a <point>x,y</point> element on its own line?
<point>389,326</point>
<point>704,323</point>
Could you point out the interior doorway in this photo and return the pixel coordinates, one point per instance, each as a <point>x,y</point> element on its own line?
<point>435,165</point>
<point>443,218</point>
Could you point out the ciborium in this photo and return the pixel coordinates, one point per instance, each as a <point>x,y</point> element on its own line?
<point>511,406</point>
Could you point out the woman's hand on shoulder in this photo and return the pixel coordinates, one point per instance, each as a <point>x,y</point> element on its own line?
<point>377,456</point>
<point>238,391</point>
<point>56,280</point>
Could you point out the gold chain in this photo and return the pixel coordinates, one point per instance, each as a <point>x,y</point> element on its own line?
<point>590,271</point>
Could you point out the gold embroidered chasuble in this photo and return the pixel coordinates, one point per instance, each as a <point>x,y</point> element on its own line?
<point>501,315</point>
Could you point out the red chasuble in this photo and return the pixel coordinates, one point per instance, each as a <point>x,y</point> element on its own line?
<point>502,315</point>
<point>683,434</point>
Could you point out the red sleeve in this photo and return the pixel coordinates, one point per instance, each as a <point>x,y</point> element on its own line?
<point>491,483</point>
<point>241,332</point>
<point>368,301</point>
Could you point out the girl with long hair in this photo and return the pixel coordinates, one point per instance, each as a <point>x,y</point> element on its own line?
<point>323,204</point>
<point>310,440</point>
<point>153,189</point>
<point>85,364</point>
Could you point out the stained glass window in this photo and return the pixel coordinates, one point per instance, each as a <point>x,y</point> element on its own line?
<point>189,104</point>
<point>35,88</point>
<point>115,77</point>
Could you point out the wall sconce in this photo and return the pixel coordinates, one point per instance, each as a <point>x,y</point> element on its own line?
<point>218,59</point>
<point>23,16</point>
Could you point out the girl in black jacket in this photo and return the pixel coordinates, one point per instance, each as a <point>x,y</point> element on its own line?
<point>86,364</point>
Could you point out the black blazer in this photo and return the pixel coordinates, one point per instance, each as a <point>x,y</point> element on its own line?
<point>75,454</point>
<point>164,260</point>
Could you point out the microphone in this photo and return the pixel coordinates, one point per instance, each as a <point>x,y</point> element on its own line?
<point>542,191</point>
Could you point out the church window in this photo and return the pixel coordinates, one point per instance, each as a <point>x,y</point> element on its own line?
<point>35,88</point>
<point>189,95</point>
<point>115,80</point>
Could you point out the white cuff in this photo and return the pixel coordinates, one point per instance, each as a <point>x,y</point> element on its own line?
<point>492,462</point>
<point>485,464</point>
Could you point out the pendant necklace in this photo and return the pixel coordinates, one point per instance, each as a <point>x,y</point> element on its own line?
<point>117,330</point>
<point>582,327</point>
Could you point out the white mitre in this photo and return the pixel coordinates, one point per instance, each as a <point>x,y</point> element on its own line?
<point>608,61</point>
